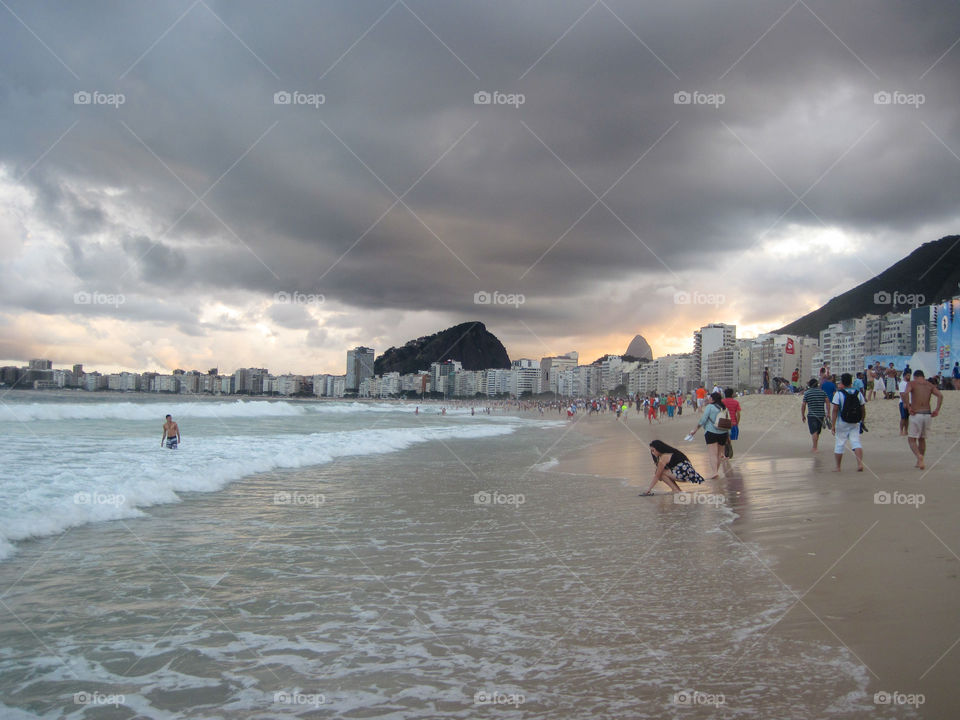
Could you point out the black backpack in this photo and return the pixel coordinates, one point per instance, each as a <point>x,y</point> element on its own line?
<point>851,411</point>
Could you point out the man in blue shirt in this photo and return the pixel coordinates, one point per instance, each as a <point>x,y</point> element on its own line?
<point>858,383</point>
<point>829,387</point>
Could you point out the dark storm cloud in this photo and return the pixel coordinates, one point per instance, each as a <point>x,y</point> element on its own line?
<point>231,191</point>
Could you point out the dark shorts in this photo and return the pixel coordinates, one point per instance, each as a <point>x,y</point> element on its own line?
<point>815,424</point>
<point>712,438</point>
<point>735,432</point>
<point>171,443</point>
<point>904,415</point>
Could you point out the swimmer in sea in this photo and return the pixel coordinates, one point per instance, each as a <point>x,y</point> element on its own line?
<point>171,434</point>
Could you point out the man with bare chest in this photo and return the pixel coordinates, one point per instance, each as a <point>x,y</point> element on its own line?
<point>171,434</point>
<point>921,416</point>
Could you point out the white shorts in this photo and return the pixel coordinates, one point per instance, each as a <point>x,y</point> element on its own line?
<point>919,425</point>
<point>847,431</point>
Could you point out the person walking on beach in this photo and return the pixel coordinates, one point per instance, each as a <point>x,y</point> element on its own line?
<point>921,416</point>
<point>956,375</point>
<point>813,410</point>
<point>672,465</point>
<point>904,413</point>
<point>716,437</point>
<point>766,379</point>
<point>733,407</point>
<point>848,411</point>
<point>828,386</point>
<point>171,434</point>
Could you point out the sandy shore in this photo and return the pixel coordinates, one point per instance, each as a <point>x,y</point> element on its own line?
<point>872,557</point>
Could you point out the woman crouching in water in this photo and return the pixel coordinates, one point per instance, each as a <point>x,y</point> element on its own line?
<point>672,465</point>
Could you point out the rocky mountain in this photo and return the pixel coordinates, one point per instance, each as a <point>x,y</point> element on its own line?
<point>639,348</point>
<point>470,343</point>
<point>929,274</point>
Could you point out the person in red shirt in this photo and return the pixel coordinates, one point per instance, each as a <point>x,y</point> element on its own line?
<point>733,406</point>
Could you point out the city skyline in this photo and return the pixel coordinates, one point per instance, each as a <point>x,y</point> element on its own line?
<point>404,166</point>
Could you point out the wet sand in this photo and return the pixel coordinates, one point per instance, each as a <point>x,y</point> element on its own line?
<point>880,578</point>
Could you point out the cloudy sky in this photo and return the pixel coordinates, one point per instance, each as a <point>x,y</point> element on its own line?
<point>641,167</point>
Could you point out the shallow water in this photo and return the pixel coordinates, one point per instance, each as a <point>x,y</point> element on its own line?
<point>426,582</point>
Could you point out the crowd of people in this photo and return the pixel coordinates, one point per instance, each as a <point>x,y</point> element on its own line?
<point>841,407</point>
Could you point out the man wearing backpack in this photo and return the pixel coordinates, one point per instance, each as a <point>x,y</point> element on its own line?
<point>848,411</point>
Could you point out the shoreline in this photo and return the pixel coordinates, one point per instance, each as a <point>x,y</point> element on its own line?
<point>878,578</point>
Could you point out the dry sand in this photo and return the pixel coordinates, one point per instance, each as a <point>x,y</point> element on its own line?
<point>879,578</point>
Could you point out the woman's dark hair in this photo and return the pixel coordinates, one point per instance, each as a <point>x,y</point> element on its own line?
<point>717,399</point>
<point>661,447</point>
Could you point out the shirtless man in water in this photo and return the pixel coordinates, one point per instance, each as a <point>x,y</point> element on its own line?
<point>171,434</point>
<point>917,397</point>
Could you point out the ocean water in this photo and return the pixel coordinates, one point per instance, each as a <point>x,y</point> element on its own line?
<point>350,560</point>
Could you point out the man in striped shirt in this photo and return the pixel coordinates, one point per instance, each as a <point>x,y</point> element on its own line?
<point>813,410</point>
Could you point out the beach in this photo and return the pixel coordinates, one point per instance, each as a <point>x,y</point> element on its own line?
<point>350,560</point>
<point>870,558</point>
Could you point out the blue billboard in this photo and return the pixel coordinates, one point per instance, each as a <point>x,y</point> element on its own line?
<point>948,334</point>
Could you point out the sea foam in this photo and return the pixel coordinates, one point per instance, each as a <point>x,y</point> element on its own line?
<point>45,489</point>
